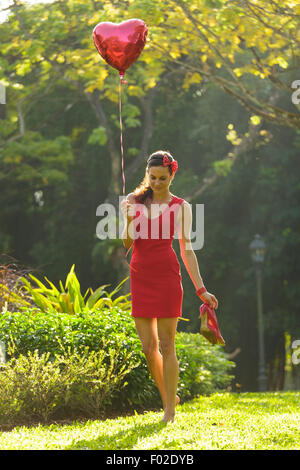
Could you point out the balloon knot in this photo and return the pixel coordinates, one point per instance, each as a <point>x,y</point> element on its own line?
<point>122,78</point>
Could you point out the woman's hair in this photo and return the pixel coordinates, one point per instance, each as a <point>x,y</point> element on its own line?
<point>143,191</point>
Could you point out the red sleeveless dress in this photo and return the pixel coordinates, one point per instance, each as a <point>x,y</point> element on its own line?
<point>155,277</point>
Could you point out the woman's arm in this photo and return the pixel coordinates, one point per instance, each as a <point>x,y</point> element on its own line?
<point>127,210</point>
<point>188,256</point>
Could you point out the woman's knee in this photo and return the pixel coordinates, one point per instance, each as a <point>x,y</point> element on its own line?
<point>167,347</point>
<point>146,328</point>
<point>166,333</point>
<point>150,348</point>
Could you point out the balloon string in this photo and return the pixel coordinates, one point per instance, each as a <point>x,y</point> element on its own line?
<point>122,150</point>
<point>121,134</point>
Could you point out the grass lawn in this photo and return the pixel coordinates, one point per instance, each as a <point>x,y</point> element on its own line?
<point>221,421</point>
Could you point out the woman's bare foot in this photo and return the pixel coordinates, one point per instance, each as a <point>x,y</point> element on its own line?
<point>176,402</point>
<point>169,417</point>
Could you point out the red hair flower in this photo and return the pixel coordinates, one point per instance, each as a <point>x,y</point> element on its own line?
<point>173,164</point>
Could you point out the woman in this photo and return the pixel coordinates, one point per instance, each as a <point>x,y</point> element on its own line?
<point>156,288</point>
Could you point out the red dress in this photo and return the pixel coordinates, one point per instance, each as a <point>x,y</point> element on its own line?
<point>155,280</point>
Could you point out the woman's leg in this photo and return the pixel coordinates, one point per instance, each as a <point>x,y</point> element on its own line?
<point>166,333</point>
<point>147,331</point>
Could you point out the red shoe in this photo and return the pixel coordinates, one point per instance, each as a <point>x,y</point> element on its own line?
<point>209,325</point>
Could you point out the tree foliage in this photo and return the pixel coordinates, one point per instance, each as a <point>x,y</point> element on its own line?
<point>213,85</point>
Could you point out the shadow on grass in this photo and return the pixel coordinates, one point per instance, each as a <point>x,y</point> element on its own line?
<point>119,440</point>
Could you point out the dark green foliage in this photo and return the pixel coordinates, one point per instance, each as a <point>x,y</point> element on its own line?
<point>39,387</point>
<point>203,368</point>
<point>58,159</point>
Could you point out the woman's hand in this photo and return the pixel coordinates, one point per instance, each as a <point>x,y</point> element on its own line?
<point>210,299</point>
<point>127,209</point>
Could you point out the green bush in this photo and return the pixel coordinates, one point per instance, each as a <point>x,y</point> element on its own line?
<point>32,330</point>
<point>203,367</point>
<point>56,316</point>
<point>36,387</point>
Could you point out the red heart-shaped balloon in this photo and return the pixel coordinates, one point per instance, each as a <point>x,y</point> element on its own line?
<point>120,44</point>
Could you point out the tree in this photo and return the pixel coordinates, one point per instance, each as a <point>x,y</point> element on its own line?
<point>61,137</point>
<point>249,49</point>
<point>57,48</point>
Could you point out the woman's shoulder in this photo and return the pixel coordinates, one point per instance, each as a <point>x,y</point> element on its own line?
<point>179,200</point>
<point>184,207</point>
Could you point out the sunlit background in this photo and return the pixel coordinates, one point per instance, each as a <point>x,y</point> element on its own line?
<point>233,129</point>
<point>5,4</point>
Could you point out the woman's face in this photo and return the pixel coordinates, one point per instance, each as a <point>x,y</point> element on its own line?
<point>159,178</point>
